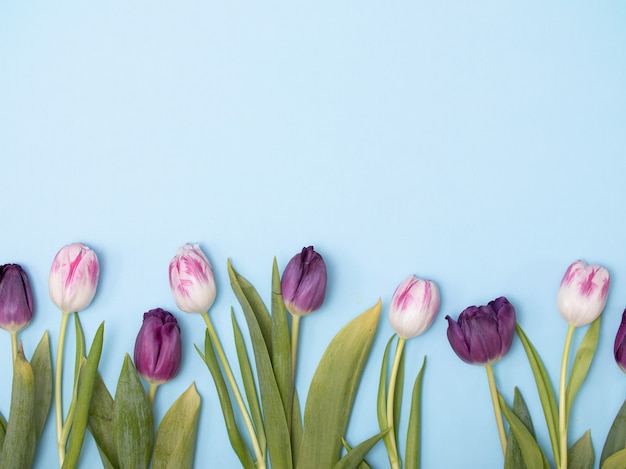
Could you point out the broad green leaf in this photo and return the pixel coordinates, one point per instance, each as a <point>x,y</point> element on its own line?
<point>616,461</point>
<point>87,377</point>
<point>16,451</point>
<point>175,443</point>
<point>581,363</point>
<point>363,464</point>
<point>249,384</point>
<point>41,363</point>
<point>546,392</point>
<point>236,440</point>
<point>531,452</point>
<point>580,455</point>
<point>616,439</point>
<point>133,423</point>
<point>296,427</point>
<point>513,458</point>
<point>332,391</point>
<point>356,455</point>
<point>276,426</point>
<point>281,344</point>
<point>413,434</point>
<point>250,299</point>
<point>100,423</point>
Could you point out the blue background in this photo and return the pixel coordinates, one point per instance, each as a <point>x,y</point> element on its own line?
<point>478,144</point>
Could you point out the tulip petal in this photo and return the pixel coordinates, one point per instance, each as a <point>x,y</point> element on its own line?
<point>457,340</point>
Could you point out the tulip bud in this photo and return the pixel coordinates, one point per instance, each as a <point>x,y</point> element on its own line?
<point>73,277</point>
<point>192,280</point>
<point>16,299</point>
<point>582,294</point>
<point>158,347</point>
<point>619,349</point>
<point>414,306</point>
<point>303,284</point>
<point>483,335</point>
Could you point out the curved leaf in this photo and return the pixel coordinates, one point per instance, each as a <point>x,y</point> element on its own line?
<point>616,461</point>
<point>581,363</point>
<point>616,439</point>
<point>513,458</point>
<point>41,363</point>
<point>580,455</point>
<point>413,434</point>
<point>100,423</point>
<point>355,455</point>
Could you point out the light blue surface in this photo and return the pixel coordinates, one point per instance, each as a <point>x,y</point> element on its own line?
<point>479,144</point>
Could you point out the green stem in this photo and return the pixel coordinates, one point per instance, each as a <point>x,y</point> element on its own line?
<point>394,458</point>
<point>496,407</point>
<point>563,398</point>
<point>260,458</point>
<point>152,392</point>
<point>58,403</point>
<point>14,344</point>
<point>295,328</point>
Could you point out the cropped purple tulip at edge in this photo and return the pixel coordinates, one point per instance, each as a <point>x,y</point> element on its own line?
<point>303,283</point>
<point>483,334</point>
<point>619,349</point>
<point>16,299</point>
<point>413,307</point>
<point>158,348</point>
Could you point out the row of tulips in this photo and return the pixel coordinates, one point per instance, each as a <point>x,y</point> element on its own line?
<point>271,419</point>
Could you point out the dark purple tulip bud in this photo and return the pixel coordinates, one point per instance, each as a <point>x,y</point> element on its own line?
<point>16,299</point>
<point>158,347</point>
<point>483,334</point>
<point>619,350</point>
<point>304,282</point>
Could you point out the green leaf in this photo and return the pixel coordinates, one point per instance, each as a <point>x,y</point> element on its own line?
<point>413,435</point>
<point>581,363</point>
<point>17,448</point>
<point>363,464</point>
<point>41,363</point>
<point>616,461</point>
<point>531,452</point>
<point>296,427</point>
<point>580,455</point>
<point>546,392</point>
<point>87,377</point>
<point>3,432</point>
<point>133,423</point>
<point>397,398</point>
<point>257,318</point>
<point>175,443</point>
<point>616,439</point>
<point>381,401</point>
<point>80,347</point>
<point>249,384</point>
<point>513,458</point>
<point>281,344</point>
<point>332,391</point>
<point>236,441</point>
<point>100,423</point>
<point>355,455</point>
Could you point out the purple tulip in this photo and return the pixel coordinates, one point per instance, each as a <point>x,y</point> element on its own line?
<point>303,283</point>
<point>484,334</point>
<point>16,299</point>
<point>583,292</point>
<point>619,349</point>
<point>414,306</point>
<point>191,280</point>
<point>73,277</point>
<point>158,347</point>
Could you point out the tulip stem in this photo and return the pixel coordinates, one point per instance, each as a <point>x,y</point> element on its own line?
<point>260,457</point>
<point>152,392</point>
<point>563,417</point>
<point>58,403</point>
<point>394,459</point>
<point>295,328</point>
<point>496,407</point>
<point>14,344</point>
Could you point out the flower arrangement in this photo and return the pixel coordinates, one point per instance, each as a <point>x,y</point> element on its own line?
<point>267,422</point>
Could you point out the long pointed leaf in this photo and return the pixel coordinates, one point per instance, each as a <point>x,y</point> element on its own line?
<point>381,401</point>
<point>581,363</point>
<point>41,363</point>
<point>397,398</point>
<point>363,464</point>
<point>413,435</point>
<point>100,423</point>
<point>545,390</point>
<point>356,454</point>
<point>281,344</point>
<point>616,439</point>
<point>296,427</point>
<point>580,455</point>
<point>616,461</point>
<point>332,391</point>
<point>513,458</point>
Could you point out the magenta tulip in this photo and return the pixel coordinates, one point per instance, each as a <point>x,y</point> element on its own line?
<point>414,306</point>
<point>192,280</point>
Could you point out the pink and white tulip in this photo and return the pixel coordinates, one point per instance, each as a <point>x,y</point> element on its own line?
<point>192,280</point>
<point>583,292</point>
<point>73,277</point>
<point>414,306</point>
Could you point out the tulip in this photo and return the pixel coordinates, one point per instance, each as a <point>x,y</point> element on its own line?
<point>303,283</point>
<point>582,294</point>
<point>158,347</point>
<point>73,277</point>
<point>414,306</point>
<point>483,335</point>
<point>192,280</point>
<point>16,299</point>
<point>619,350</point>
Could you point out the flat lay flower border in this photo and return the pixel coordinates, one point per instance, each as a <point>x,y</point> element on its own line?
<point>268,424</point>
